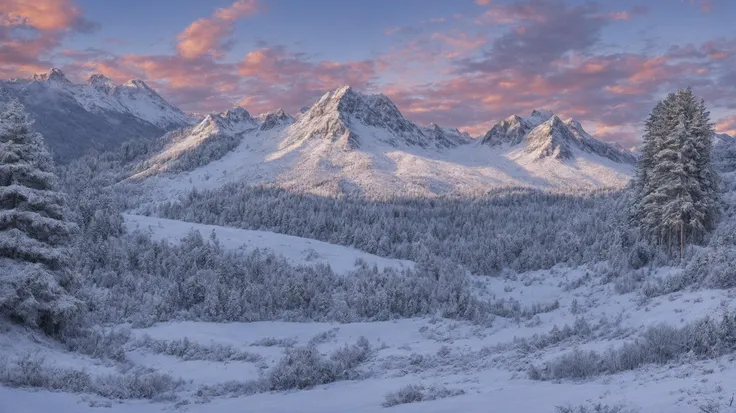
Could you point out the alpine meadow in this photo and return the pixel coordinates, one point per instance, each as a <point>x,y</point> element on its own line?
<point>514,205</point>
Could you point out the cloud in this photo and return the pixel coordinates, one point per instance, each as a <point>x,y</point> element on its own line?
<point>727,125</point>
<point>276,77</point>
<point>544,31</point>
<point>30,30</point>
<point>210,35</point>
<point>44,15</point>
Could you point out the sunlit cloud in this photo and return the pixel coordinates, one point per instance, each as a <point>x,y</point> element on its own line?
<point>210,35</point>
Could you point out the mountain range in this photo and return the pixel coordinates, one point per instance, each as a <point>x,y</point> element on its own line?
<point>346,142</point>
<point>349,142</point>
<point>96,115</point>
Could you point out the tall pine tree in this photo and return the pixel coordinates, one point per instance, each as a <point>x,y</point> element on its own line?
<point>34,275</point>
<point>677,192</point>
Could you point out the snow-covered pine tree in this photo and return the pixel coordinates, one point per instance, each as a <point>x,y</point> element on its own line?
<point>677,198</point>
<point>34,275</point>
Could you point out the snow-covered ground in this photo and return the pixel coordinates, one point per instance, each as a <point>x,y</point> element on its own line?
<point>481,361</point>
<point>378,169</point>
<point>295,249</point>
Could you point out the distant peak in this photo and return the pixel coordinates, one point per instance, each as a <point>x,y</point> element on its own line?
<point>137,84</point>
<point>542,114</point>
<point>573,123</point>
<point>343,90</point>
<point>53,75</point>
<point>275,118</point>
<point>98,78</point>
<point>101,82</point>
<point>555,120</point>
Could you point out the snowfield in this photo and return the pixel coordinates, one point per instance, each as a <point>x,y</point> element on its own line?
<point>295,249</point>
<point>485,367</point>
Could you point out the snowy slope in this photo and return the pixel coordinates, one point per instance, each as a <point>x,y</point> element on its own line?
<point>543,134</point>
<point>99,115</point>
<point>295,249</point>
<point>134,97</point>
<point>353,143</point>
<point>486,364</point>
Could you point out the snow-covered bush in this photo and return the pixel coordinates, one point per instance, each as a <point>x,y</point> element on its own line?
<point>135,383</point>
<point>186,349</point>
<point>131,278</point>
<point>301,367</point>
<point>99,342</point>
<point>594,408</point>
<point>414,393</point>
<point>274,342</point>
<point>705,338</point>
<point>304,367</point>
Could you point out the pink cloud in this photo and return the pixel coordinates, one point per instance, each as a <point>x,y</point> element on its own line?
<point>276,77</point>
<point>43,15</point>
<point>209,35</point>
<point>727,125</point>
<point>30,30</point>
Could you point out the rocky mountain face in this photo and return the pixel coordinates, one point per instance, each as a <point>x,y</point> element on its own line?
<point>543,134</point>
<point>97,115</point>
<point>344,115</point>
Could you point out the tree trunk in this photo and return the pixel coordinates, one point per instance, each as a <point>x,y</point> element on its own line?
<point>682,239</point>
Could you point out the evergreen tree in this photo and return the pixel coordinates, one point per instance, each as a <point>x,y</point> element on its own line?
<point>34,275</point>
<point>677,191</point>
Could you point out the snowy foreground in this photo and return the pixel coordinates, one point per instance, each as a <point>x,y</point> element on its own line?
<point>479,368</point>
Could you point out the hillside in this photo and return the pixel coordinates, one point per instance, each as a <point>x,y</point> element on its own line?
<point>97,115</point>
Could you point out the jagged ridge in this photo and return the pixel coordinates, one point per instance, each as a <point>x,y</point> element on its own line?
<point>545,135</point>
<point>99,115</point>
<point>337,115</point>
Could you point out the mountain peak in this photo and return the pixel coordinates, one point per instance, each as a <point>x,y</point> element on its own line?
<point>53,75</point>
<point>101,82</point>
<point>233,120</point>
<point>278,117</point>
<point>510,131</point>
<point>542,114</point>
<point>544,134</point>
<point>349,116</point>
<point>98,78</point>
<point>137,84</point>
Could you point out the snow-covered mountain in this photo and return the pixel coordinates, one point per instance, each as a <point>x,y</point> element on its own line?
<point>349,142</point>
<point>719,138</point>
<point>543,134</point>
<point>338,115</point>
<point>98,114</point>
<point>274,119</point>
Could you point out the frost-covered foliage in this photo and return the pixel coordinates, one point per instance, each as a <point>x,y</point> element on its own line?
<point>211,148</point>
<point>414,393</point>
<point>522,229</point>
<point>304,367</point>
<point>99,342</point>
<point>677,198</point>
<point>595,408</point>
<point>96,173</point>
<point>706,338</point>
<point>34,278</point>
<point>130,278</point>
<point>135,383</point>
<point>186,349</point>
<point>301,368</point>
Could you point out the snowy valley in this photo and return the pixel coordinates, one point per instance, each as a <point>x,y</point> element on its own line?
<point>346,259</point>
